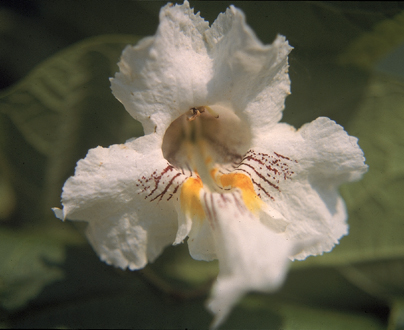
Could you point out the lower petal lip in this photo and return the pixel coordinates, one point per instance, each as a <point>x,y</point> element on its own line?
<point>190,198</point>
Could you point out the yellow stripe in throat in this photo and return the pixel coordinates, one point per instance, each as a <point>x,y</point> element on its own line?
<point>190,198</point>
<point>244,183</point>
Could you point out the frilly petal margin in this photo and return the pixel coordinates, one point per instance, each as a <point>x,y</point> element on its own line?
<point>189,64</point>
<point>124,229</point>
<point>327,157</point>
<point>251,256</point>
<point>164,76</point>
<point>249,76</point>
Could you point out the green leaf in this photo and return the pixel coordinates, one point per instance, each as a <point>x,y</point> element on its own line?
<point>372,46</point>
<point>384,279</point>
<point>396,321</point>
<point>53,116</point>
<point>7,197</point>
<point>94,295</point>
<point>303,317</point>
<point>29,261</point>
<point>260,312</point>
<point>176,264</point>
<point>313,28</point>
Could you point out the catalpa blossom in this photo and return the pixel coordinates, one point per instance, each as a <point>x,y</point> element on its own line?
<point>215,167</point>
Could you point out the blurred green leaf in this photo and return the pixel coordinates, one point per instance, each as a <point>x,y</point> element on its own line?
<point>304,317</point>
<point>393,63</point>
<point>176,264</point>
<point>389,8</point>
<point>7,198</point>
<point>327,287</point>
<point>396,321</point>
<point>260,312</point>
<point>315,28</point>
<point>59,89</point>
<point>372,46</point>
<point>95,295</point>
<point>29,261</point>
<point>54,115</point>
<point>384,279</point>
<point>110,298</point>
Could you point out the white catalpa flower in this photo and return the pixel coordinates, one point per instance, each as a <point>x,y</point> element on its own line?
<point>214,167</point>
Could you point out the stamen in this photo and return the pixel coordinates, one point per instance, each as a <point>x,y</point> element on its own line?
<point>196,112</point>
<point>211,111</point>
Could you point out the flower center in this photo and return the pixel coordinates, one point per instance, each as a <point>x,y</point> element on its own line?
<point>210,142</point>
<point>204,139</point>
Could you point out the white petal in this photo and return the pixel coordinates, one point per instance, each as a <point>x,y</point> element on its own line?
<point>201,242</point>
<point>251,256</point>
<point>187,64</point>
<point>164,76</point>
<point>184,225</point>
<point>122,193</point>
<point>316,160</point>
<point>249,76</point>
<point>337,155</point>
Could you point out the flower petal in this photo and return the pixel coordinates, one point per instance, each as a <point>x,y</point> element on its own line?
<point>187,64</point>
<point>122,193</point>
<point>249,76</point>
<point>164,76</point>
<point>201,243</point>
<point>315,161</point>
<point>251,256</point>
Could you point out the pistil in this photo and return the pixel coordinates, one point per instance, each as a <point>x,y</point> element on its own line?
<point>198,150</point>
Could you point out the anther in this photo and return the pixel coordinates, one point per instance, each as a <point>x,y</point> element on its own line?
<point>196,112</point>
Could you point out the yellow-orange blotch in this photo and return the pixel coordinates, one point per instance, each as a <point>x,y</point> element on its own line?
<point>190,198</point>
<point>244,183</point>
